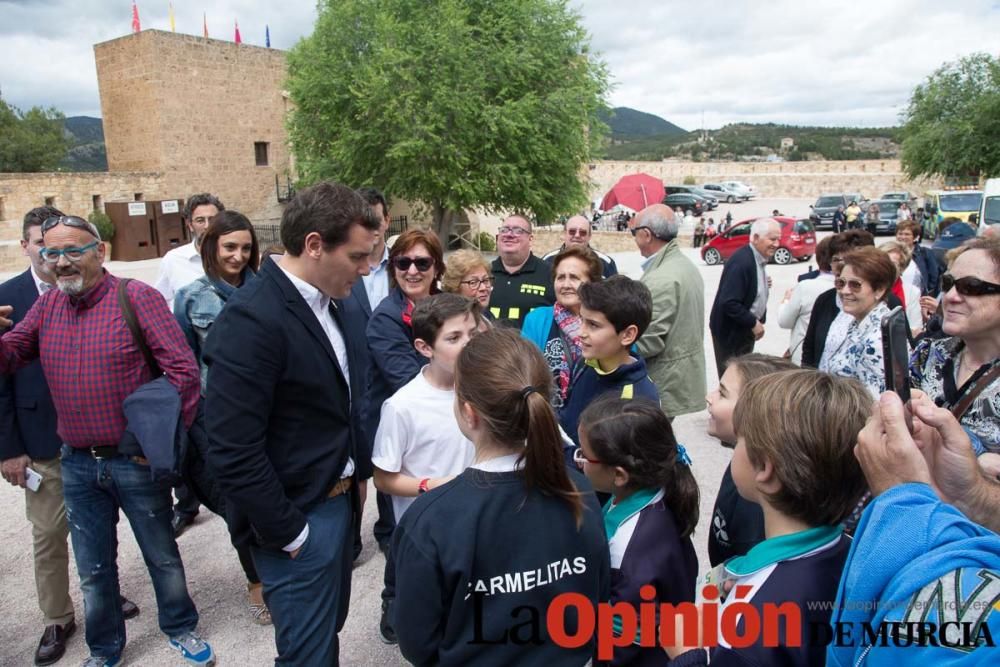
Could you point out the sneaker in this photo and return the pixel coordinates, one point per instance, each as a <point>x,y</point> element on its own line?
<point>95,661</point>
<point>194,649</point>
<point>385,629</point>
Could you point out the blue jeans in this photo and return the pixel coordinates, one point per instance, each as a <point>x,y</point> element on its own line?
<point>308,596</point>
<point>95,489</point>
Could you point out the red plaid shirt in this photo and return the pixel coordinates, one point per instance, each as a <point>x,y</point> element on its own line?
<point>91,361</point>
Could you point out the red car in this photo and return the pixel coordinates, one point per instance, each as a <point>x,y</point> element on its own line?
<point>798,241</point>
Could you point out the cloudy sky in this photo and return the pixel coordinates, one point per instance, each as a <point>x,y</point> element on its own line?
<point>815,62</point>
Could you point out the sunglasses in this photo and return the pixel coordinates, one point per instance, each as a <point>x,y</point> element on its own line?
<point>968,286</point>
<point>637,228</point>
<point>577,232</point>
<point>404,263</point>
<point>853,285</point>
<point>580,458</point>
<point>70,221</point>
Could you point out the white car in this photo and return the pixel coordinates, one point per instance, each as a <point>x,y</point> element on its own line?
<point>742,188</point>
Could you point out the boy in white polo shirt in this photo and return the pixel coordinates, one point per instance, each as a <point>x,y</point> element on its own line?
<point>418,445</point>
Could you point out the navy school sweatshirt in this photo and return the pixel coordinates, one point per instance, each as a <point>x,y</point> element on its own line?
<point>478,561</point>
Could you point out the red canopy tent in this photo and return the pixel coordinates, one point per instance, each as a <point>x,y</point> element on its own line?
<point>637,191</point>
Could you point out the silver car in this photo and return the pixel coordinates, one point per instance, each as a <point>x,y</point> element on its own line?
<point>722,193</point>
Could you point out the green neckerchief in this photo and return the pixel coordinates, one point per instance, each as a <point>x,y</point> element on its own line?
<point>783,547</point>
<point>616,515</point>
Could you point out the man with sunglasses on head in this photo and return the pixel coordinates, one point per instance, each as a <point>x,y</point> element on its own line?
<point>28,440</point>
<point>522,281</point>
<point>92,363</point>
<point>578,232</point>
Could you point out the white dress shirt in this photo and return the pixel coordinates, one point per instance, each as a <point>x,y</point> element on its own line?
<point>320,305</point>
<point>377,281</point>
<point>179,267</point>
<point>40,284</point>
<point>759,305</point>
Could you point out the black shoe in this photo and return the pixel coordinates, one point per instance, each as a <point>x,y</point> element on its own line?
<point>180,522</point>
<point>129,609</point>
<point>53,644</point>
<point>385,630</point>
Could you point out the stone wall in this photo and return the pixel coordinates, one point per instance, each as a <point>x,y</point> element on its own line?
<point>73,194</point>
<point>772,179</point>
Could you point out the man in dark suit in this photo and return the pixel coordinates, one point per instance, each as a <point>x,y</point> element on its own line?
<point>366,295</point>
<point>740,307</point>
<point>28,439</point>
<point>283,372</point>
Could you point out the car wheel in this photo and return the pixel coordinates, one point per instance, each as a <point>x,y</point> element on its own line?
<point>730,199</point>
<point>782,256</point>
<point>712,257</point>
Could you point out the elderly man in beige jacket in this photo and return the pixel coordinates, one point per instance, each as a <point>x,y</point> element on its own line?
<point>673,345</point>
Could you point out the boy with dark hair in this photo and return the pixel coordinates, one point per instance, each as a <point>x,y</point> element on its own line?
<point>614,313</point>
<point>801,470</point>
<point>418,445</point>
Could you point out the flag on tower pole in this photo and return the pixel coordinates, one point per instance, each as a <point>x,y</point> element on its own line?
<point>204,25</point>
<point>239,40</point>
<point>135,18</point>
<point>170,8</point>
<point>267,36</point>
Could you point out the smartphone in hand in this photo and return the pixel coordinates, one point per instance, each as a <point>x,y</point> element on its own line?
<point>32,479</point>
<point>896,358</point>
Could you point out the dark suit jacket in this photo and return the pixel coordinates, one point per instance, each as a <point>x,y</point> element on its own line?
<point>359,295</point>
<point>27,415</point>
<point>731,320</point>
<point>277,409</point>
<point>930,270</point>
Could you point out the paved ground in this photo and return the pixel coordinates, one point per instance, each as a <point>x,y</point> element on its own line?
<point>214,575</point>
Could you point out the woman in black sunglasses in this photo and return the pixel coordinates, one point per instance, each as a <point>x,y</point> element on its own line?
<point>962,372</point>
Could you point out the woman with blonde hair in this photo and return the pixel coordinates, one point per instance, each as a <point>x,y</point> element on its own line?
<point>467,273</point>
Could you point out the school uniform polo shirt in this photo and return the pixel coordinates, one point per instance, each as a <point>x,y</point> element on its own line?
<point>516,294</point>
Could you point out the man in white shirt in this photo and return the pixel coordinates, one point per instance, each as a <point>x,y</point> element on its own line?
<point>182,265</point>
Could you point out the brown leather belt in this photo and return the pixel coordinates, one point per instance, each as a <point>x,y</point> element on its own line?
<point>341,487</point>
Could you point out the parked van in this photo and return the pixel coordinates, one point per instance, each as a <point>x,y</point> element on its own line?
<point>989,210</point>
<point>949,203</point>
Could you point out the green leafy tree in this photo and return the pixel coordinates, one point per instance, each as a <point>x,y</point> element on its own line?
<point>32,141</point>
<point>953,120</point>
<point>455,103</point>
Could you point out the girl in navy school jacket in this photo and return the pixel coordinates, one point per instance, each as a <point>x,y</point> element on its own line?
<point>627,449</point>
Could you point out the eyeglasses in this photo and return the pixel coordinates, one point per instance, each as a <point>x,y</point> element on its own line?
<point>968,286</point>
<point>637,228</point>
<point>404,263</point>
<point>580,458</point>
<point>577,232</point>
<point>476,283</point>
<point>51,255</point>
<point>512,231</point>
<point>853,285</point>
<point>70,221</point>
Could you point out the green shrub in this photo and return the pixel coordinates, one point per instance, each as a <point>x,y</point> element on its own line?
<point>689,180</point>
<point>103,223</point>
<point>487,242</point>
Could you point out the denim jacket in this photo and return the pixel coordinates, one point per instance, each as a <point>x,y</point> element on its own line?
<point>196,305</point>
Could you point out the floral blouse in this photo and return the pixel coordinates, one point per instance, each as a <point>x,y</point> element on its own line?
<point>933,366</point>
<point>859,354</point>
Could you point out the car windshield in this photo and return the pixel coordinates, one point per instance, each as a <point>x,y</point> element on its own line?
<point>961,201</point>
<point>901,196</point>
<point>829,202</point>
<point>888,206</point>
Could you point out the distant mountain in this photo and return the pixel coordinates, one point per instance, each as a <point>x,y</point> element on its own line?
<point>629,123</point>
<point>87,151</point>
